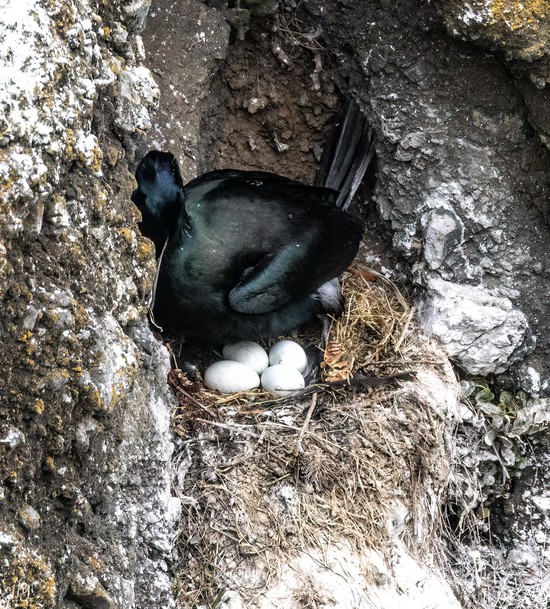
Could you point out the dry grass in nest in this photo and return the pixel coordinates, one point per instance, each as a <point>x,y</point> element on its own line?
<point>264,479</point>
<point>265,490</point>
<point>370,333</point>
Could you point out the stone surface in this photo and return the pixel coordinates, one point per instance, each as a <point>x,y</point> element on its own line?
<point>486,334</point>
<point>197,39</point>
<point>443,234</point>
<point>29,518</point>
<point>462,167</point>
<point>85,489</point>
<point>519,29</point>
<point>87,591</point>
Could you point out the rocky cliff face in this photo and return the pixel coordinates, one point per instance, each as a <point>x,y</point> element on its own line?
<point>458,95</point>
<point>462,157</point>
<point>463,174</point>
<point>86,515</point>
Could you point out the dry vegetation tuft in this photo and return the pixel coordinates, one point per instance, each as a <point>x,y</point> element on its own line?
<point>371,331</point>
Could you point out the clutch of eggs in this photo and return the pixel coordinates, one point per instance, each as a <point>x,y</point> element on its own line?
<point>281,370</point>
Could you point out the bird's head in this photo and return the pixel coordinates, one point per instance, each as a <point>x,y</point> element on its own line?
<point>159,194</point>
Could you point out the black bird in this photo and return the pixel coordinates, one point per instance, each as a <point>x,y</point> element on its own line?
<point>250,254</point>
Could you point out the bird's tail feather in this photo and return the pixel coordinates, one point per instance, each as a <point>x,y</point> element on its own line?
<point>347,154</point>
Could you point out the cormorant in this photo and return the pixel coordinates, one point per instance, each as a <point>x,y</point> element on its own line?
<point>250,254</point>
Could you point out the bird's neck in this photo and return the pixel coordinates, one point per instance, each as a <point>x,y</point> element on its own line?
<point>172,211</point>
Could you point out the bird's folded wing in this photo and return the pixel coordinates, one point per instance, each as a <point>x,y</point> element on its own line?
<point>296,270</point>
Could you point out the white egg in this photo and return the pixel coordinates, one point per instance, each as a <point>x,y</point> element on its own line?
<point>281,379</point>
<point>248,353</point>
<point>289,353</point>
<point>229,377</point>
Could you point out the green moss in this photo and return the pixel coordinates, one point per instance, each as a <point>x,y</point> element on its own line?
<point>57,423</point>
<point>49,464</point>
<point>91,397</point>
<point>50,319</point>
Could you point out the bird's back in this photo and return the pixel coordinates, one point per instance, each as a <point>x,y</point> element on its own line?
<point>233,221</point>
<point>237,217</point>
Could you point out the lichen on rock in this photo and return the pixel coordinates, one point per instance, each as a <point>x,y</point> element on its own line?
<point>518,27</point>
<point>82,378</point>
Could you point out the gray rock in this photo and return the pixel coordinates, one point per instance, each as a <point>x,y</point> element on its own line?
<point>463,168</point>
<point>29,517</point>
<point>95,457</point>
<point>86,589</point>
<point>137,92</point>
<point>11,437</point>
<point>484,333</point>
<point>7,540</point>
<point>443,233</point>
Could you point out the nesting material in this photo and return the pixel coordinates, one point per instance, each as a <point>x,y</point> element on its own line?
<point>266,481</point>
<point>370,333</point>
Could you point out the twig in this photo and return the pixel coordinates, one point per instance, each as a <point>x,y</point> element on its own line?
<point>385,362</point>
<point>359,382</point>
<point>311,408</point>
<point>252,431</point>
<point>154,290</point>
<point>405,330</point>
<point>194,401</point>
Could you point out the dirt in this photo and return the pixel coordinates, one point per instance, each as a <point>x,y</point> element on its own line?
<point>272,117</point>
<point>275,105</point>
<point>266,109</point>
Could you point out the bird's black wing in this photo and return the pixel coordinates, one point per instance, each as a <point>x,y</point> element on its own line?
<point>319,253</point>
<point>298,237</point>
<point>347,154</point>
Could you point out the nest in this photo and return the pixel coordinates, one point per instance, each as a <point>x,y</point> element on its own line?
<point>363,344</point>
<point>261,479</point>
